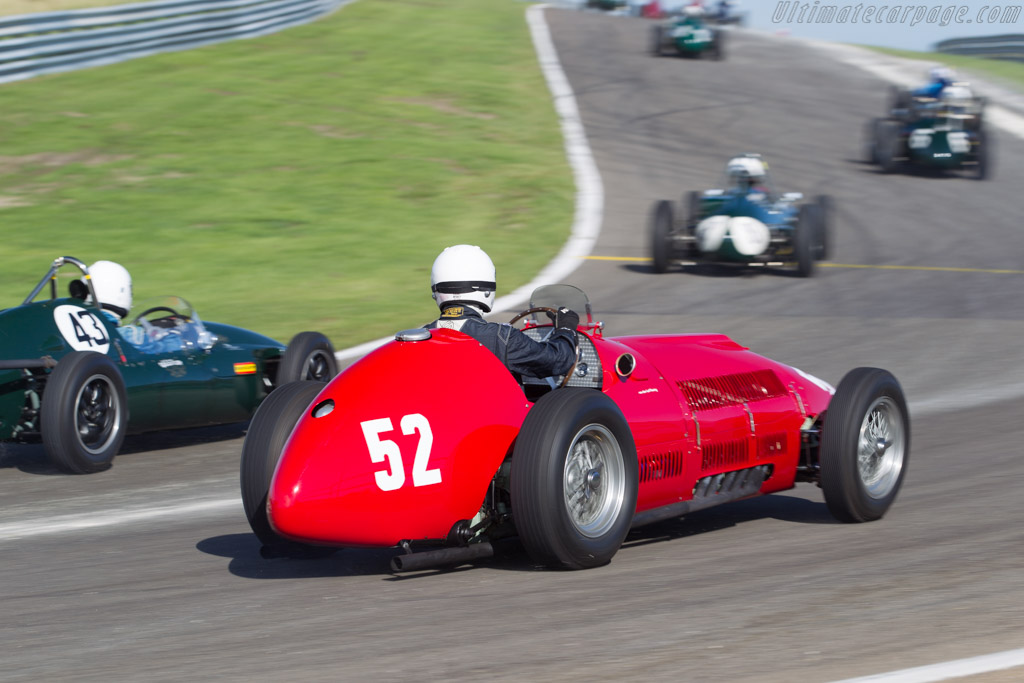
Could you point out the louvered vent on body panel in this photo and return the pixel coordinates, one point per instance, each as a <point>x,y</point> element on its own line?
<point>661,466</point>
<point>724,454</point>
<point>719,391</point>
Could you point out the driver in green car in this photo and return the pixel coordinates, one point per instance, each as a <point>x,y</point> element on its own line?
<point>113,286</point>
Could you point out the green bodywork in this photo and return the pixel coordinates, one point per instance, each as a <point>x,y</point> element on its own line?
<point>189,387</point>
<point>691,35</point>
<point>778,215</point>
<point>938,145</point>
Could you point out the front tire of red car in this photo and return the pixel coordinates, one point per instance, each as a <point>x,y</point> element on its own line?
<point>574,479</point>
<point>264,442</point>
<point>865,445</point>
<point>84,413</point>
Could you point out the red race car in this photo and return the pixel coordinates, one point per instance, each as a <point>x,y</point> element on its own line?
<point>429,444</point>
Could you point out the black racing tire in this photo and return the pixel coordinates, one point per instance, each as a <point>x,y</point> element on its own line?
<point>718,46</point>
<point>84,413</point>
<point>657,40</point>
<point>574,479</point>
<point>309,356</point>
<point>871,141</point>
<point>824,232</point>
<point>899,98</point>
<point>983,170</point>
<point>865,445</point>
<point>662,223</point>
<point>888,146</point>
<point>264,442</point>
<point>691,200</point>
<point>804,239</point>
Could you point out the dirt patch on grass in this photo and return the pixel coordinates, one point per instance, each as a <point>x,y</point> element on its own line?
<point>445,107</point>
<point>51,160</point>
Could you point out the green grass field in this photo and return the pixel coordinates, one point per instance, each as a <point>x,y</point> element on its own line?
<point>10,7</point>
<point>1011,73</point>
<point>304,180</point>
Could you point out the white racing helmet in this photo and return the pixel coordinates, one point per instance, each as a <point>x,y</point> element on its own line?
<point>693,11</point>
<point>746,170</point>
<point>463,274</point>
<point>942,74</point>
<point>113,285</point>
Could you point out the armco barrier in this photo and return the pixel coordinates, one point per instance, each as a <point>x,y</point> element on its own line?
<point>48,42</point>
<point>1008,46</point>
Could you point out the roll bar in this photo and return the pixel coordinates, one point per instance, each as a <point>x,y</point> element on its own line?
<point>51,277</point>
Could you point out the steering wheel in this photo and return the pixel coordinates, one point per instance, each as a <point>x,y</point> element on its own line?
<point>553,313</point>
<point>173,314</point>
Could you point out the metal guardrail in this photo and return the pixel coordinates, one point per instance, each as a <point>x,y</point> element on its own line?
<point>50,42</point>
<point>1006,46</point>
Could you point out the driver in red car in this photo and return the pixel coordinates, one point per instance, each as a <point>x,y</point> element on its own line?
<point>113,285</point>
<point>463,282</point>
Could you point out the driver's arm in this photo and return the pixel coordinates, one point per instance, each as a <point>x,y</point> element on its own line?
<point>549,358</point>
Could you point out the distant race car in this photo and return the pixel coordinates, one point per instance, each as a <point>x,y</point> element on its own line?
<point>606,5</point>
<point>944,132</point>
<point>747,223</point>
<point>69,379</point>
<point>725,12</point>
<point>689,35</point>
<point>401,450</point>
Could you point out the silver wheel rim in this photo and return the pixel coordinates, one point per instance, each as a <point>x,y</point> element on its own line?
<point>881,447</point>
<point>318,367</point>
<point>594,480</point>
<point>97,414</point>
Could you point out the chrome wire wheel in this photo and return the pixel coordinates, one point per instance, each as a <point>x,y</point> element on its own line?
<point>881,447</point>
<point>594,481</point>
<point>97,414</point>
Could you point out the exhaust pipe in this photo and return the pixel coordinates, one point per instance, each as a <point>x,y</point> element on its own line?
<point>436,558</point>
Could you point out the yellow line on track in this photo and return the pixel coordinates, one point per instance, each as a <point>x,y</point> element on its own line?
<point>946,269</point>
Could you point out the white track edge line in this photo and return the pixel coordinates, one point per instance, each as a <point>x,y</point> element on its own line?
<point>957,668</point>
<point>91,520</point>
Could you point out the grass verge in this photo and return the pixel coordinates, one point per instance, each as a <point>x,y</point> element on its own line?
<point>12,7</point>
<point>1011,73</point>
<point>304,180</point>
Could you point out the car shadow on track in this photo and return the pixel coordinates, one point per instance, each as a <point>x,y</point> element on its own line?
<point>780,507</point>
<point>247,562</point>
<point>180,438</point>
<point>910,170</point>
<point>712,270</point>
<point>32,459</point>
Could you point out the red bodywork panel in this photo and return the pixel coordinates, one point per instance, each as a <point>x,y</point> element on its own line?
<point>420,428</point>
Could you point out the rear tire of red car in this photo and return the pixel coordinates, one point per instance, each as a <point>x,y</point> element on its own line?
<point>309,356</point>
<point>865,445</point>
<point>84,413</point>
<point>574,479</point>
<point>264,441</point>
<point>661,236</point>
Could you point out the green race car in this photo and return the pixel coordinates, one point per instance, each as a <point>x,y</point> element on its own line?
<point>70,378</point>
<point>688,35</point>
<point>935,132</point>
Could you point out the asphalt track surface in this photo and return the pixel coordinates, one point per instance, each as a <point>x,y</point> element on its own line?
<point>149,571</point>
